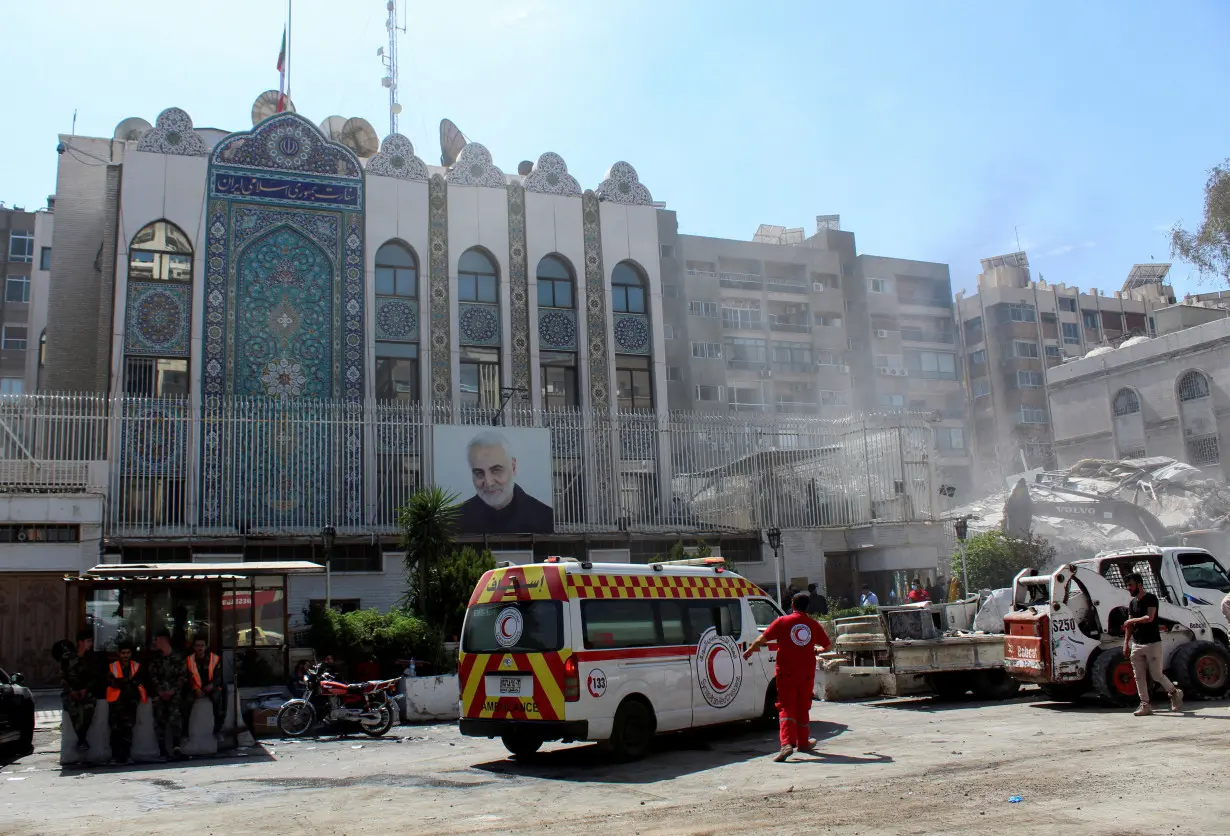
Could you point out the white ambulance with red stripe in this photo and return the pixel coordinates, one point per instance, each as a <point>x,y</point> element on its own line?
<point>616,653</point>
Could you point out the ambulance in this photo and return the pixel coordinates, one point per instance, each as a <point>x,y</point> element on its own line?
<point>616,653</point>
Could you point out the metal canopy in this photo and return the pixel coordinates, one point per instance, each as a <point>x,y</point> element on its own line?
<point>196,571</point>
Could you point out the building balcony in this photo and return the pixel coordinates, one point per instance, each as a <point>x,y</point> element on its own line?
<point>937,337</point>
<point>743,324</point>
<point>703,273</point>
<point>789,326</point>
<point>798,407</point>
<point>746,281</point>
<point>788,286</point>
<point>747,365</point>
<point>924,300</point>
<point>795,368</point>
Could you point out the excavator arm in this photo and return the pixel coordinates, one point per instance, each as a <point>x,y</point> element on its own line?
<point>1021,508</point>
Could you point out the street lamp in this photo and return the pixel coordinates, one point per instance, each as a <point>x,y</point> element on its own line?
<point>961,528</point>
<point>328,535</point>
<point>774,536</point>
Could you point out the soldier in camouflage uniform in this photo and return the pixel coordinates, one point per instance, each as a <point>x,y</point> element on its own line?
<point>167,677</point>
<point>79,672</point>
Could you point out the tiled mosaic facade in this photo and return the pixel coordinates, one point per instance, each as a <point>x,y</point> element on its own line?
<point>284,290</point>
<point>397,319</point>
<point>437,237</point>
<point>595,305</point>
<point>396,158</point>
<point>557,329</point>
<point>159,319</point>
<point>518,289</point>
<point>631,333</point>
<point>173,134</point>
<point>478,324</point>
<point>550,176</point>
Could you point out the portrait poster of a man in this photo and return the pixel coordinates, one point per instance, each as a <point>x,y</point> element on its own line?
<point>505,473</point>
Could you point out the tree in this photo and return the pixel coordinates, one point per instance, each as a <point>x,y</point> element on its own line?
<point>428,522</point>
<point>993,560</point>
<point>1209,246</point>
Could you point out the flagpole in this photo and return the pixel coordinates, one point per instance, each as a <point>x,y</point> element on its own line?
<point>289,39</point>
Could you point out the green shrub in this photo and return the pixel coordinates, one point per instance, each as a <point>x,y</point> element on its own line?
<point>372,636</point>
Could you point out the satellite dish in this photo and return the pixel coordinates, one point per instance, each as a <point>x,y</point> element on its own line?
<point>524,168</point>
<point>266,105</point>
<point>452,140</point>
<point>332,127</point>
<point>131,129</point>
<point>396,108</point>
<point>359,136</point>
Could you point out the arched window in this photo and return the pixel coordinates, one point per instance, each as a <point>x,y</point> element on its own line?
<point>1126,402</point>
<point>555,284</point>
<point>397,271</point>
<point>557,367</point>
<point>161,252</point>
<point>627,289</point>
<point>1193,386</point>
<point>479,326</point>
<point>477,280</point>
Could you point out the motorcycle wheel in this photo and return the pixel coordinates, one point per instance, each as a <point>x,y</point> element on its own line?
<point>379,728</point>
<point>296,718</point>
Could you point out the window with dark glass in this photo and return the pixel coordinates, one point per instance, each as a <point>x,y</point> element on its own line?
<point>480,376</point>
<point>627,290</point>
<point>156,377</point>
<point>397,271</point>
<point>21,246</point>
<point>397,371</point>
<point>559,378</point>
<point>555,284</point>
<point>633,383</point>
<point>161,252</point>
<point>476,278</point>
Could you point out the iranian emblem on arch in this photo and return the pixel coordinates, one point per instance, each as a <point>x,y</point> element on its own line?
<point>718,668</point>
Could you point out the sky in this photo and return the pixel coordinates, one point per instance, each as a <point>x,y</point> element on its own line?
<point>943,131</point>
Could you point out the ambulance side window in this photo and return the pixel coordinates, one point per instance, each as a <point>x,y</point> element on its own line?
<point>764,611</point>
<point>673,629</point>
<point>725,616</point>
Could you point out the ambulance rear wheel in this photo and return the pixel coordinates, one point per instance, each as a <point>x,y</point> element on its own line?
<point>632,735</point>
<point>522,744</point>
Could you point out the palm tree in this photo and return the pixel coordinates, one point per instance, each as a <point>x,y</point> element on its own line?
<point>427,522</point>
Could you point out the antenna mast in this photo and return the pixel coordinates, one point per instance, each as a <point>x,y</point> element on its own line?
<point>390,63</point>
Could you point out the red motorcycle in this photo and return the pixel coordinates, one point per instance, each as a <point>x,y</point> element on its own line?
<point>372,704</point>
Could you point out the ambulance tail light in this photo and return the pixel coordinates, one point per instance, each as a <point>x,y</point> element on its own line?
<point>572,680</point>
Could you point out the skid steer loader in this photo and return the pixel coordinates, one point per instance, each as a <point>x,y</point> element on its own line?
<point>1065,632</point>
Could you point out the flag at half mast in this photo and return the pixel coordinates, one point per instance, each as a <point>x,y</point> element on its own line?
<point>282,73</point>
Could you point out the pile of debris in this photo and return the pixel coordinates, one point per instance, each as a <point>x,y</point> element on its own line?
<point>1179,495</point>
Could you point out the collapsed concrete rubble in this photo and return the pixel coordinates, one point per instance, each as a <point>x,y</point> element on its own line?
<point>1180,496</point>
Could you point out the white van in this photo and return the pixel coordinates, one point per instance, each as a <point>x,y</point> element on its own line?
<point>612,652</point>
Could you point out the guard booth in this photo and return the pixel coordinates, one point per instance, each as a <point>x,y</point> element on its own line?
<point>240,607</point>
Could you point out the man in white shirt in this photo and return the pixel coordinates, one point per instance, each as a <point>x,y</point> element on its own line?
<point>868,598</point>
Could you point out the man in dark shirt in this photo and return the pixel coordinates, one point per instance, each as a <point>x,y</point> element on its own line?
<point>819,605</point>
<point>499,505</point>
<point>1142,643</point>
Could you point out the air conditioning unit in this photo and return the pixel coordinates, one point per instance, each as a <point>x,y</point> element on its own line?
<point>884,369</point>
<point>766,372</point>
<point>818,287</point>
<point>843,369</point>
<point>903,372</point>
<point>881,335</point>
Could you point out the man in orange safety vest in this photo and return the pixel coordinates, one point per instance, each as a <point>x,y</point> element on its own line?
<point>205,680</point>
<point>124,691</point>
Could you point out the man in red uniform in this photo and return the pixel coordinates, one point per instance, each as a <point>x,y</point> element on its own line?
<point>797,637</point>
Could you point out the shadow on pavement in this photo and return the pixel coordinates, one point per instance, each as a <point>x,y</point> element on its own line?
<point>674,755</point>
<point>838,760</point>
<point>932,703</point>
<point>252,754</point>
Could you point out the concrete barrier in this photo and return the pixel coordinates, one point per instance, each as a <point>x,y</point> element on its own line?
<point>431,698</point>
<point>99,738</point>
<point>199,736</point>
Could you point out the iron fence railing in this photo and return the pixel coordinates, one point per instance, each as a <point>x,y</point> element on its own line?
<point>245,466</point>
